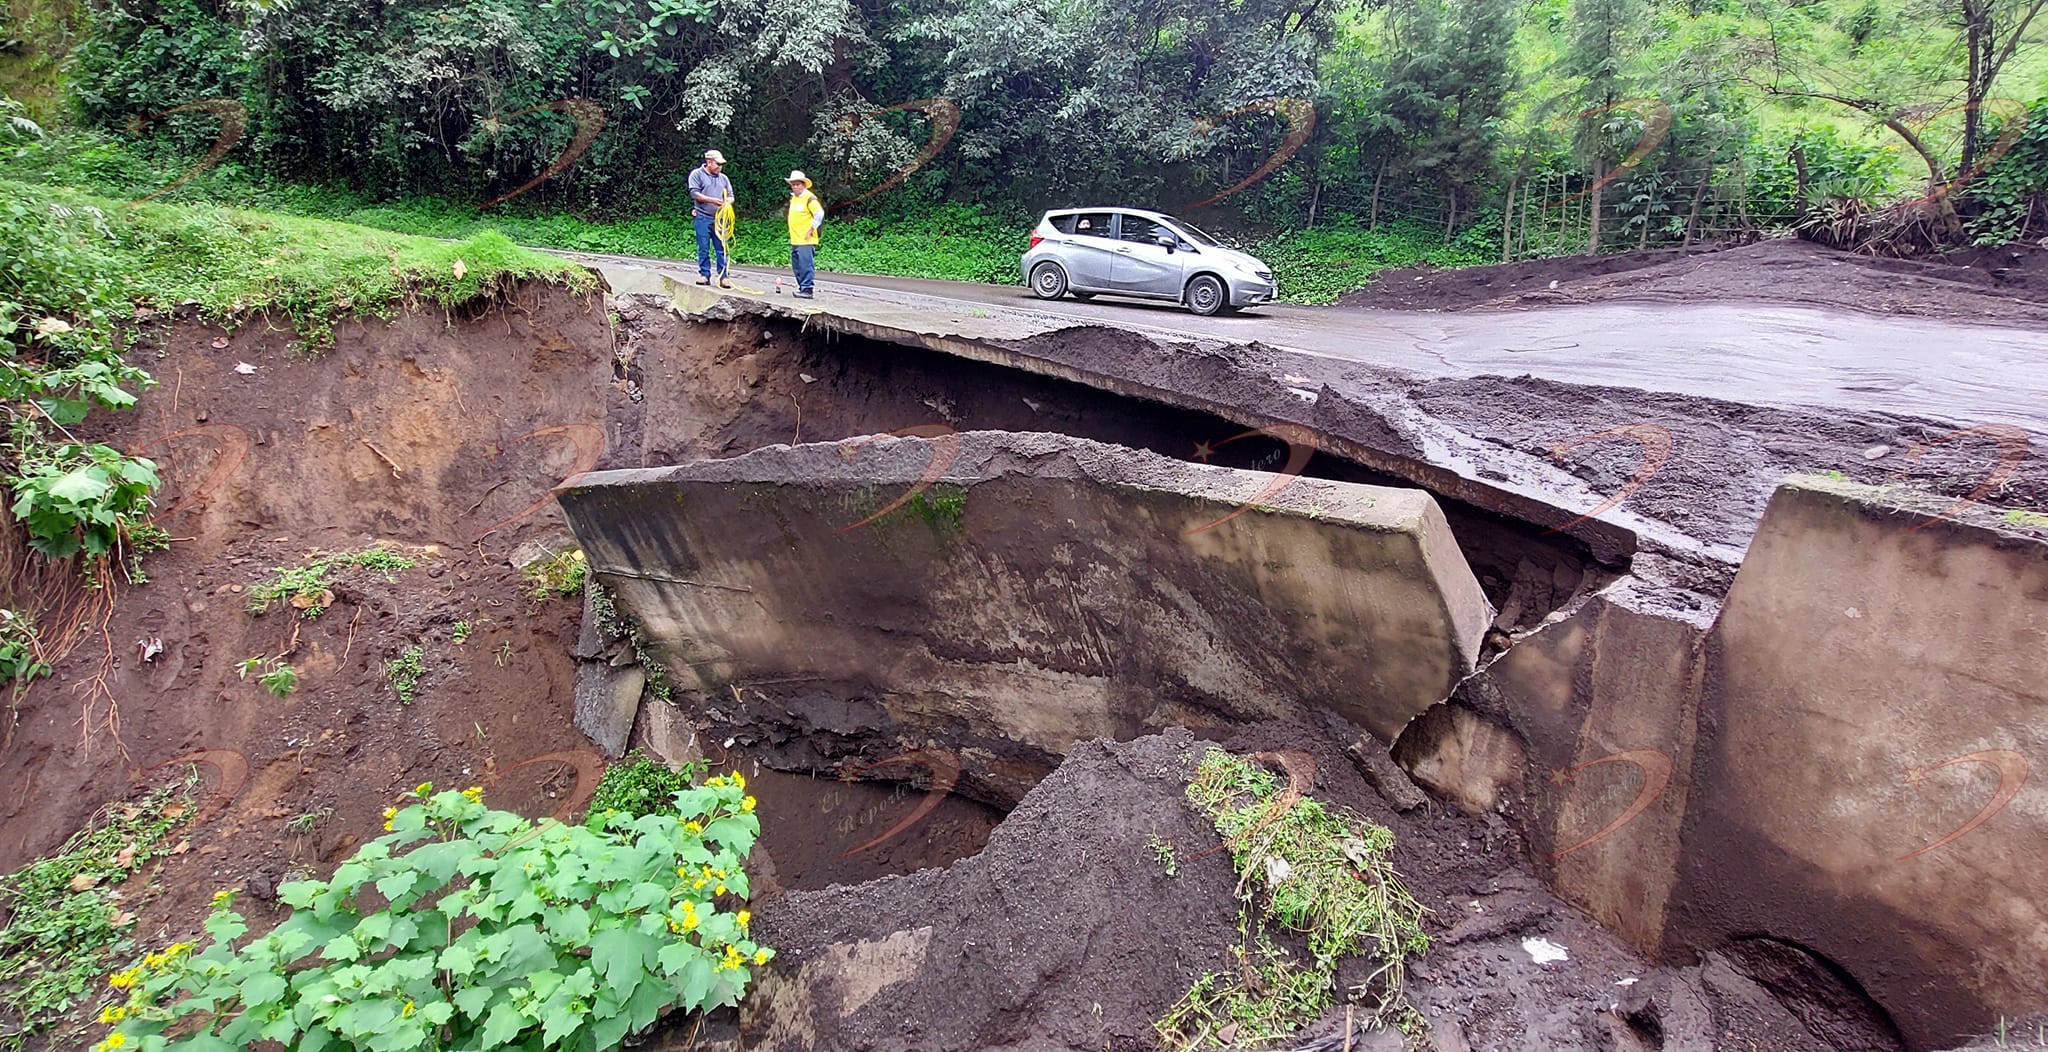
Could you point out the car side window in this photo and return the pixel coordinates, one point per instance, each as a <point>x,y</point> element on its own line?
<point>1142,230</point>
<point>1092,224</point>
<point>1064,224</point>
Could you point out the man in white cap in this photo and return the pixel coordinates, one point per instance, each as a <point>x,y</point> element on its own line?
<point>710,190</point>
<point>806,215</point>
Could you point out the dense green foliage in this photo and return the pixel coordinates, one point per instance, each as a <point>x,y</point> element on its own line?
<point>64,922</point>
<point>469,928</point>
<point>640,785</point>
<point>1427,107</point>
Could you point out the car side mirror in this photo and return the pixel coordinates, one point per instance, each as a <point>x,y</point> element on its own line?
<point>1168,242</point>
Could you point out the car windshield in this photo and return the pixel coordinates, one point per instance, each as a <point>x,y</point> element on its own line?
<point>1194,233</point>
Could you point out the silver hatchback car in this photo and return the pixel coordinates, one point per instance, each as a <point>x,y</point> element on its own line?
<point>1133,252</point>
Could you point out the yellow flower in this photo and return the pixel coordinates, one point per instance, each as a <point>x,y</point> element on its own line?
<point>715,780</point>
<point>407,1011</point>
<point>689,922</point>
<point>222,898</point>
<point>423,788</point>
<point>152,961</point>
<point>116,1039</point>
<point>744,917</point>
<point>699,883</point>
<point>733,959</point>
<point>760,956</point>
<point>474,794</point>
<point>681,872</point>
<point>747,805</point>
<point>739,780</point>
<point>113,1014</point>
<point>122,980</point>
<point>692,827</point>
<point>720,891</point>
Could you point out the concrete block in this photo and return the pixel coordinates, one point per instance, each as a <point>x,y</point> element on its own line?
<point>607,702</point>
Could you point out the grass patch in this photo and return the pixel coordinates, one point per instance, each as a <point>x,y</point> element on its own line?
<point>235,263</point>
<point>309,588</point>
<point>560,574</point>
<point>405,671</point>
<point>1310,873</point>
<point>65,919</point>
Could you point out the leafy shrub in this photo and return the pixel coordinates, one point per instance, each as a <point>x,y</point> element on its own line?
<point>405,672</point>
<point>484,931</point>
<point>20,652</point>
<point>640,785</point>
<point>74,498</point>
<point>1319,264</point>
<point>272,675</point>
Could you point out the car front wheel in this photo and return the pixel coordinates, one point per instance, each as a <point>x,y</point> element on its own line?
<point>1206,295</point>
<point>1048,281</point>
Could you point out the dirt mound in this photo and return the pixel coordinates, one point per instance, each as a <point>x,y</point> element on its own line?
<point>2007,284</point>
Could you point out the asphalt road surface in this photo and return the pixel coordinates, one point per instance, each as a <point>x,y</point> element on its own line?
<point>1961,373</point>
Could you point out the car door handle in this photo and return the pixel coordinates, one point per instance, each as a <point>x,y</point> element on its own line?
<point>1125,251</point>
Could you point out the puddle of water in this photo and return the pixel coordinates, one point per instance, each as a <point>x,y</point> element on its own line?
<point>809,824</point>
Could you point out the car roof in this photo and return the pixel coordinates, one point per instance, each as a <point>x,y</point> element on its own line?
<point>1111,208</point>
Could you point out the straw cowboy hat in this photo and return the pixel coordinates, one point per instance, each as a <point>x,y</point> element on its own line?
<point>797,176</point>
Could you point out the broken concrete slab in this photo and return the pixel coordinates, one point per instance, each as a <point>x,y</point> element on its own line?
<point>607,702</point>
<point>1013,593</point>
<point>1843,751</point>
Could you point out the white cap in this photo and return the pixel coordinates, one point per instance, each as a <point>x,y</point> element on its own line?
<point>714,155</point>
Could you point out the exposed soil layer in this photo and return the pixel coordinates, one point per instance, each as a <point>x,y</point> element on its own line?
<point>1068,933</point>
<point>2002,284</point>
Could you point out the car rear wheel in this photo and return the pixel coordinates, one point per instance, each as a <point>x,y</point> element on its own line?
<point>1206,295</point>
<point>1048,281</point>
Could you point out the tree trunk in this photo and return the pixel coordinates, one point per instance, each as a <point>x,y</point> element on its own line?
<point>1593,236</point>
<point>1699,194</point>
<point>1374,221</point>
<point>1315,199</point>
<point>1799,176</point>
<point>1450,214</point>
<point>1507,224</point>
<point>1978,33</point>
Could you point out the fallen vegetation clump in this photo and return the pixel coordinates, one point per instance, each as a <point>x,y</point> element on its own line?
<point>309,588</point>
<point>1307,873</point>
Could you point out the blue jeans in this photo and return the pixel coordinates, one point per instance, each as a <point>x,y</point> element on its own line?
<point>705,244</point>
<point>804,260</point>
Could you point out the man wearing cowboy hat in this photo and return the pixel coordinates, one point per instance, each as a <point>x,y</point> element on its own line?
<point>806,215</point>
<point>710,190</point>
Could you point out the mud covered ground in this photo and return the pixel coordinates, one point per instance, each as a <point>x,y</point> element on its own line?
<point>2005,284</point>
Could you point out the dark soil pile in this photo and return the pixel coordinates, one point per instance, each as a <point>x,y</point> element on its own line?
<point>2006,284</point>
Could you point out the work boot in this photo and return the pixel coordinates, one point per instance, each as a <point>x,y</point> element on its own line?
<point>704,281</point>
<point>804,293</point>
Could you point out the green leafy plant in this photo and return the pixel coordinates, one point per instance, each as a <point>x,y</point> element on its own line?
<point>74,497</point>
<point>405,672</point>
<point>560,574</point>
<point>65,922</point>
<point>468,928</point>
<point>1309,872</point>
<point>459,633</point>
<point>1163,853</point>
<point>273,675</point>
<point>20,649</point>
<point>309,588</point>
<point>640,785</point>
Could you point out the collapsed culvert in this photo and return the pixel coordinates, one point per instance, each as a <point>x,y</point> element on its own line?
<point>772,382</point>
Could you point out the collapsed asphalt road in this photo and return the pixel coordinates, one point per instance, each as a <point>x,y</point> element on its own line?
<point>1760,354</point>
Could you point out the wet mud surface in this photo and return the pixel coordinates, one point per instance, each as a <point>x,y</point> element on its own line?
<point>2003,284</point>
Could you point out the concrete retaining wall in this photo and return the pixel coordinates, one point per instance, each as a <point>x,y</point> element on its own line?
<point>1839,764</point>
<point>1009,594</point>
